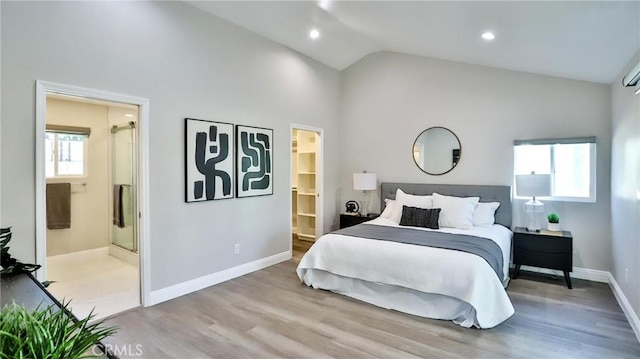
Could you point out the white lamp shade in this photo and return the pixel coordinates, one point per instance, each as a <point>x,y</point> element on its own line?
<point>533,185</point>
<point>365,181</point>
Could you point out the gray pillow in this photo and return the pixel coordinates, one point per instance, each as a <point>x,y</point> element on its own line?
<point>420,217</point>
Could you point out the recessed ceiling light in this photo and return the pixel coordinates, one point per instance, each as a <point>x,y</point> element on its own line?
<point>314,34</point>
<point>128,115</point>
<point>325,4</point>
<point>488,35</point>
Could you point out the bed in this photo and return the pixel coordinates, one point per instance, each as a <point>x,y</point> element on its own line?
<point>433,282</point>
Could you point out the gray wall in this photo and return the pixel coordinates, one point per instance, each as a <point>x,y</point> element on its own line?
<point>188,64</point>
<point>389,98</point>
<point>625,180</point>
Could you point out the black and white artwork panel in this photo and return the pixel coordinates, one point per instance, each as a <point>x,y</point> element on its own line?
<point>254,162</point>
<point>209,160</point>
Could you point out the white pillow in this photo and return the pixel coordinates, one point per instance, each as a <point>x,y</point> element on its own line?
<point>389,205</point>
<point>456,212</point>
<point>409,200</point>
<point>485,213</point>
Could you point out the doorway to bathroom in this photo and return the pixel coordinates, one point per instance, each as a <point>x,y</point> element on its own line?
<point>89,238</point>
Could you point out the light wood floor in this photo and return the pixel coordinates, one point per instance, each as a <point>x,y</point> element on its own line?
<point>299,248</point>
<point>270,314</point>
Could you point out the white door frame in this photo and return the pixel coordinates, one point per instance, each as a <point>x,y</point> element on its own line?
<point>319,179</point>
<point>42,88</point>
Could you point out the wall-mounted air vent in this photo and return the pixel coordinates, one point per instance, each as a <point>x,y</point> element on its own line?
<point>631,79</point>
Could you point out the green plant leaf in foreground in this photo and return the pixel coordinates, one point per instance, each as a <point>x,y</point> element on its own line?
<point>48,333</point>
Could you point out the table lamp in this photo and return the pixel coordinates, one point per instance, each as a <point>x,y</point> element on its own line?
<point>365,182</point>
<point>533,185</point>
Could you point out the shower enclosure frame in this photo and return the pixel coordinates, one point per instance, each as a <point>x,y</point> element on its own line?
<point>142,217</point>
<point>123,252</point>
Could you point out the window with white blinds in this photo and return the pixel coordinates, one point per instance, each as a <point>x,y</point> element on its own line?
<point>65,154</point>
<point>571,162</point>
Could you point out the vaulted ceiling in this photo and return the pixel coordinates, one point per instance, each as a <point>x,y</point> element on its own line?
<point>584,40</point>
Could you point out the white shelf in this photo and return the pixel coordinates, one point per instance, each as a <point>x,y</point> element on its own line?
<point>307,236</point>
<point>304,179</point>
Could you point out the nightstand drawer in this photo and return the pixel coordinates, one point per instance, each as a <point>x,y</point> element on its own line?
<point>560,261</point>
<point>347,220</point>
<point>552,250</point>
<point>544,244</point>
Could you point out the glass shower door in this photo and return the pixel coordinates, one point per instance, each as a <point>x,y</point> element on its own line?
<point>123,180</point>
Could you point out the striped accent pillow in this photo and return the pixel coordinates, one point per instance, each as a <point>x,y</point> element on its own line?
<point>420,217</point>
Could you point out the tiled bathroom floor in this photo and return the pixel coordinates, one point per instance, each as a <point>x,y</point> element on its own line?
<point>94,279</point>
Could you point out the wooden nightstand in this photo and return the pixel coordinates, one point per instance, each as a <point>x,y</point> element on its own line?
<point>543,249</point>
<point>347,220</point>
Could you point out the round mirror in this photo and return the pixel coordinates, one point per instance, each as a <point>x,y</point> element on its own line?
<point>436,150</point>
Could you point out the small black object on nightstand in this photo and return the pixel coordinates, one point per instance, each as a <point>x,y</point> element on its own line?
<point>352,207</point>
<point>552,250</point>
<point>348,220</point>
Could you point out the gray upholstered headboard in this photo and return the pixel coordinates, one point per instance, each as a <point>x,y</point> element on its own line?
<point>500,194</point>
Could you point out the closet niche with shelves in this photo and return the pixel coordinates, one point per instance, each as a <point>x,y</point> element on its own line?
<point>304,193</point>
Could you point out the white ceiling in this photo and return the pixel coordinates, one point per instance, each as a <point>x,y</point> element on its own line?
<point>584,40</point>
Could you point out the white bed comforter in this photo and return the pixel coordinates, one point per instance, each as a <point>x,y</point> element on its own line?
<point>445,272</point>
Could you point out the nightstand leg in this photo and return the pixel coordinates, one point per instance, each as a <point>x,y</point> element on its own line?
<point>567,279</point>
<point>516,271</point>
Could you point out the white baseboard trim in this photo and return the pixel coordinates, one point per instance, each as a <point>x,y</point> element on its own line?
<point>632,317</point>
<point>178,290</point>
<point>102,251</point>
<point>124,255</point>
<point>593,275</point>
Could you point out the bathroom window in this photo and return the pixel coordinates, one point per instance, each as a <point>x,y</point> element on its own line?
<point>66,154</point>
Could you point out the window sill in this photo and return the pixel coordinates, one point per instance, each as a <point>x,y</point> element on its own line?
<point>559,199</point>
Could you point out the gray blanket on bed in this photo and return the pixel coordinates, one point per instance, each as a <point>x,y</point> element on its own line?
<point>485,248</point>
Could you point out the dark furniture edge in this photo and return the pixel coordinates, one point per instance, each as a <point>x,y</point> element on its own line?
<point>99,344</point>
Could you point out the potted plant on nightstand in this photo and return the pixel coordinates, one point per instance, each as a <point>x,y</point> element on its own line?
<point>554,222</point>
